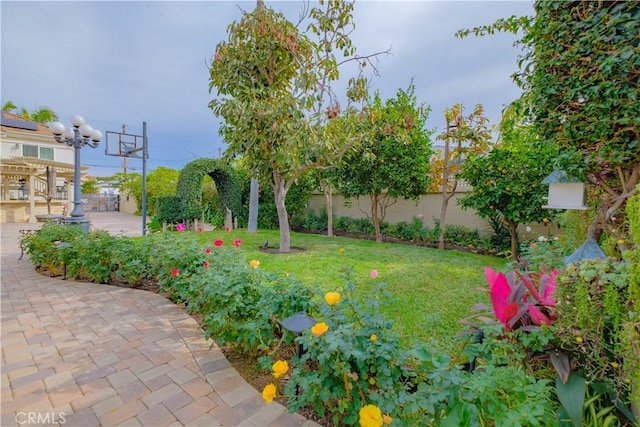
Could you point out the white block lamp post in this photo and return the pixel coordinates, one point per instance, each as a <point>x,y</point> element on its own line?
<point>77,137</point>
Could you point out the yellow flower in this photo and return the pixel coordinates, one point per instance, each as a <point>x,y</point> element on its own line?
<point>370,416</point>
<point>621,241</point>
<point>269,393</point>
<point>614,365</point>
<point>579,340</point>
<point>280,368</point>
<point>254,263</point>
<point>332,298</point>
<point>342,250</point>
<point>387,419</point>
<point>374,338</point>
<point>319,329</point>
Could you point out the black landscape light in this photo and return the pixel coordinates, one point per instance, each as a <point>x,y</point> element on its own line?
<point>298,323</point>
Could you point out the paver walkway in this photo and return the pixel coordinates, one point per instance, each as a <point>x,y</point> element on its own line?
<point>81,354</point>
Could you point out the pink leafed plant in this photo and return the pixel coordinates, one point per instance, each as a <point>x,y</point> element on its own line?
<point>522,300</point>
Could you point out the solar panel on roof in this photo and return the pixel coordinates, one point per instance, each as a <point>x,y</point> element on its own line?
<point>18,124</point>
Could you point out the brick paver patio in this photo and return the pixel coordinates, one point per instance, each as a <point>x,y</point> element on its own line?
<point>81,354</point>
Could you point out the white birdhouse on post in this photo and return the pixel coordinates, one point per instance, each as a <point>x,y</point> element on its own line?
<point>565,192</point>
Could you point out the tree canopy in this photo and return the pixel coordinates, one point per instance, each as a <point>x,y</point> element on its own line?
<point>392,160</point>
<point>579,76</point>
<point>507,181</point>
<point>271,81</point>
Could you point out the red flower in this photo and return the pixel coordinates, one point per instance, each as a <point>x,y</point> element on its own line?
<point>218,243</point>
<point>237,243</point>
<point>175,272</point>
<point>200,229</point>
<point>207,251</point>
<point>227,229</point>
<point>206,264</point>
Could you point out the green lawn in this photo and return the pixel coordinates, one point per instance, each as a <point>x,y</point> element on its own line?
<point>433,289</point>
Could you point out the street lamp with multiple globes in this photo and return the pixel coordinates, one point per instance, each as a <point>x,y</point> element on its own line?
<point>77,137</point>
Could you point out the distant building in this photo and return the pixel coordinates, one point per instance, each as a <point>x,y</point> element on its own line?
<point>36,172</point>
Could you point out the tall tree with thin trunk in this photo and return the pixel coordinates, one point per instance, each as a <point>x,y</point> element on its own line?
<point>463,135</point>
<point>270,77</point>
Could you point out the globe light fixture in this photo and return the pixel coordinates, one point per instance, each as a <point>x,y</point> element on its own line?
<point>78,136</point>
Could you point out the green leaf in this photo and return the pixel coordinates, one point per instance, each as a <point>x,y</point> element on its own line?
<point>571,395</point>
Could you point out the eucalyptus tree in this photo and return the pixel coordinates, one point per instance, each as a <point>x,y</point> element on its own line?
<point>273,85</point>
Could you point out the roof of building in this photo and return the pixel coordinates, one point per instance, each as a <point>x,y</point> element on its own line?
<point>15,122</point>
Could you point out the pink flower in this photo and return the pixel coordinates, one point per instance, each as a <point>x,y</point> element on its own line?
<point>200,229</point>
<point>180,227</point>
<point>206,264</point>
<point>218,243</point>
<point>374,274</point>
<point>237,243</point>
<point>207,251</point>
<point>175,272</point>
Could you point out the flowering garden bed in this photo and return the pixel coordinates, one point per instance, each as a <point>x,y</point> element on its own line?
<point>355,367</point>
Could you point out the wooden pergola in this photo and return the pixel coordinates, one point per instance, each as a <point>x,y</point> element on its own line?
<point>28,187</point>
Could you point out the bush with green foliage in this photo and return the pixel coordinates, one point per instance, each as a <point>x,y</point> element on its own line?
<point>413,231</point>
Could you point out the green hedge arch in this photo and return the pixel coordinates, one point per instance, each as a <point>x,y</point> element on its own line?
<point>189,190</point>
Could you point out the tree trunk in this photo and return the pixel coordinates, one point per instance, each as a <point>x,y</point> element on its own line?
<point>374,217</point>
<point>513,231</point>
<point>252,226</point>
<point>443,216</point>
<point>283,218</point>
<point>445,196</point>
<point>328,192</point>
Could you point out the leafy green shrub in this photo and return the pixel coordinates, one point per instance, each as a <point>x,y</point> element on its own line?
<point>353,225</point>
<point>355,362</point>
<point>43,251</point>
<point>315,223</point>
<point>131,259</point>
<point>548,251</point>
<point>241,305</point>
<point>169,210</point>
<point>411,231</point>
<point>92,260</point>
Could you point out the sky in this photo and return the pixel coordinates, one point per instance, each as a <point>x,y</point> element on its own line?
<point>124,63</point>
